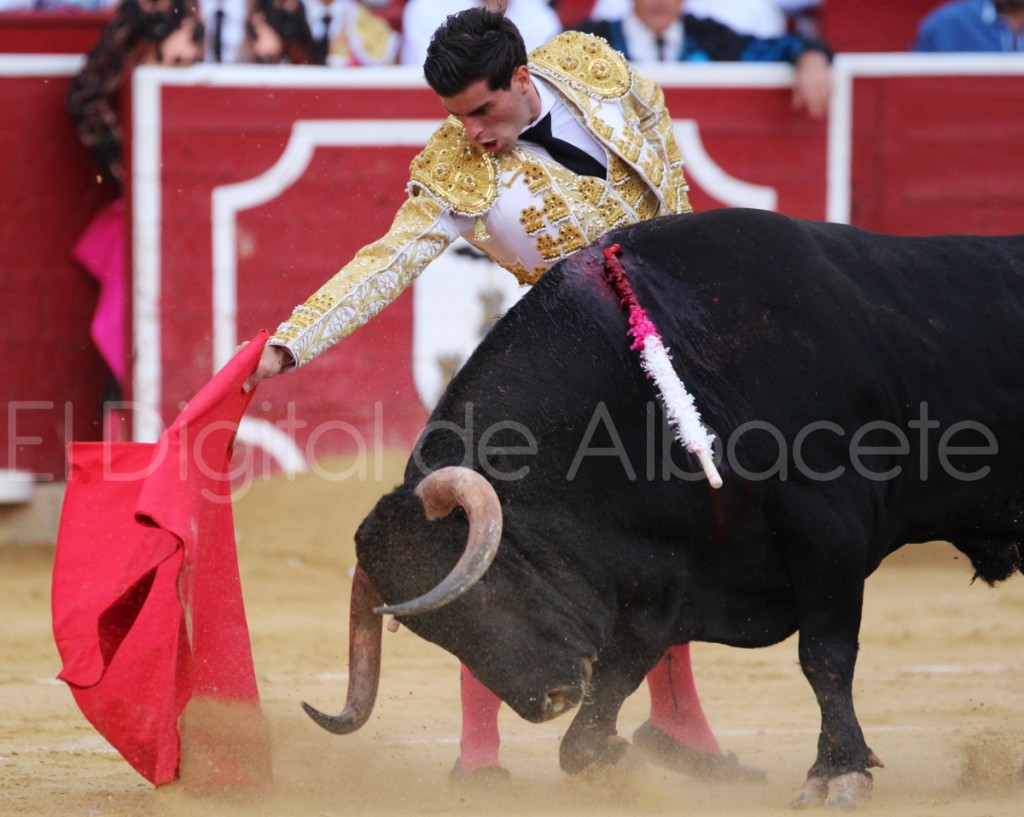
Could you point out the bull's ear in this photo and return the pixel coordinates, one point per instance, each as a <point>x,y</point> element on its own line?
<point>441,492</point>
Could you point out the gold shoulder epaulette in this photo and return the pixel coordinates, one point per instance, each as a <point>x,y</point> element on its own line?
<point>460,175</point>
<point>585,61</point>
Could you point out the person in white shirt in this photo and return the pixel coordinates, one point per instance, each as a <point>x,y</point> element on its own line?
<point>660,31</point>
<point>761,18</point>
<point>225,29</point>
<point>535,19</point>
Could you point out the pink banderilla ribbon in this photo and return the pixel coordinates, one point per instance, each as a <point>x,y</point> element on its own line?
<point>654,358</point>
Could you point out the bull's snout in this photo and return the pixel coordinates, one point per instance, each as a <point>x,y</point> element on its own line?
<point>561,699</point>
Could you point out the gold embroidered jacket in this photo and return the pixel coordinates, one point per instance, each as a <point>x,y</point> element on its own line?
<point>523,210</point>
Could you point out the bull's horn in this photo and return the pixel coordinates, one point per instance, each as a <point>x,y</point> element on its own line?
<point>363,660</point>
<point>440,492</point>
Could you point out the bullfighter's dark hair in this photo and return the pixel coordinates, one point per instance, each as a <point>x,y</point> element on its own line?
<point>472,45</point>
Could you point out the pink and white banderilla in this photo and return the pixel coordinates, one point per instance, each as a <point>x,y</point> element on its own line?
<point>679,406</point>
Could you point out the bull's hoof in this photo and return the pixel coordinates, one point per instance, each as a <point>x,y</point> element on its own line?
<point>620,784</point>
<point>577,757</point>
<point>483,776</point>
<point>669,753</point>
<point>813,794</point>
<point>849,791</point>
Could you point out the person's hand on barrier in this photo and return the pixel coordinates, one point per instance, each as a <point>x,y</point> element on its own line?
<point>812,89</point>
<point>275,360</point>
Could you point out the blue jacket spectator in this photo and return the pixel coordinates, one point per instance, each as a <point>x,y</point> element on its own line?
<point>973,26</point>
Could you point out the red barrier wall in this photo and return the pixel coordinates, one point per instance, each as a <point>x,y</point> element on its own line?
<point>858,26</point>
<point>50,32</point>
<point>54,377</point>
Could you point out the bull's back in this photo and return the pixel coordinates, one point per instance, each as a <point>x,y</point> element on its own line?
<point>756,303</point>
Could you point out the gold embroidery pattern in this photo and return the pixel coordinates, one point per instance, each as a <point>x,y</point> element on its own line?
<point>583,208</point>
<point>570,238</point>
<point>601,128</point>
<point>632,190</point>
<point>586,62</point>
<point>532,220</point>
<point>535,177</point>
<point>548,248</point>
<point>374,33</point>
<point>525,275</point>
<point>370,281</point>
<point>612,211</point>
<point>460,175</point>
<point>618,171</point>
<point>647,207</point>
<point>555,208</point>
<point>653,169</point>
<point>590,189</point>
<point>630,144</point>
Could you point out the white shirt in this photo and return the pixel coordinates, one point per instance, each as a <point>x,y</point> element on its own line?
<point>762,18</point>
<point>232,33</point>
<point>315,11</point>
<point>610,9</point>
<point>535,19</point>
<point>564,125</point>
<point>642,44</point>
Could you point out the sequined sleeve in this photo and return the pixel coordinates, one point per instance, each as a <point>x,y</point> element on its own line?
<point>370,281</point>
<point>657,119</point>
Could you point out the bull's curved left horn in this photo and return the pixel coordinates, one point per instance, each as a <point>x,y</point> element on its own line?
<point>440,492</point>
<point>363,660</point>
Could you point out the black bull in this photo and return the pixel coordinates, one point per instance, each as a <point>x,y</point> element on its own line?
<point>866,391</point>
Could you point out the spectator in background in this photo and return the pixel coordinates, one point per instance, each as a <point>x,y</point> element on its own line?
<point>167,32</point>
<point>657,30</point>
<point>347,33</point>
<point>761,18</point>
<point>139,32</point>
<point>535,19</point>
<point>225,22</point>
<point>277,32</point>
<point>973,26</point>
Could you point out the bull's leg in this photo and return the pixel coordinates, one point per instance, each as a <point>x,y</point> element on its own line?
<point>828,654</point>
<point>591,739</point>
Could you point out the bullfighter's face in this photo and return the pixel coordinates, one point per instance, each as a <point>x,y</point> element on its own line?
<point>493,119</point>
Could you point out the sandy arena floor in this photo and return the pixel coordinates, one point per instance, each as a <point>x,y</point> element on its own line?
<point>940,694</point>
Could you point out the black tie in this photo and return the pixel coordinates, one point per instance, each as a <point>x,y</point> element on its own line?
<point>324,46</point>
<point>578,161</point>
<point>218,25</point>
<point>659,41</point>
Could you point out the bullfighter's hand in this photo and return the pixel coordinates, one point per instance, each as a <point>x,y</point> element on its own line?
<point>275,360</point>
<point>812,89</point>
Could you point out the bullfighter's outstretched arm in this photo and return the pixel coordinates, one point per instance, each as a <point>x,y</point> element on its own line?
<point>374,278</point>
